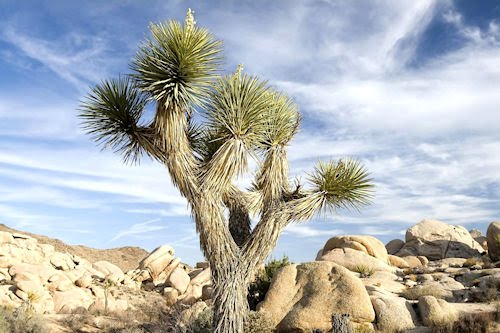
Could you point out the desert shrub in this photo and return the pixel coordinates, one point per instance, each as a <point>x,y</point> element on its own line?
<point>258,288</point>
<point>472,261</point>
<point>470,323</point>
<point>203,323</point>
<point>363,270</point>
<point>258,322</point>
<point>21,320</point>
<point>487,293</point>
<point>415,292</point>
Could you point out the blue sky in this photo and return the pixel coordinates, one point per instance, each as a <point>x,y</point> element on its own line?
<point>411,88</point>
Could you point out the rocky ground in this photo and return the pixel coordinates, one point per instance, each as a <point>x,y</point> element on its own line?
<point>441,278</point>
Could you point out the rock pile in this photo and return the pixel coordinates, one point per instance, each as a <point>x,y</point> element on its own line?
<point>53,282</point>
<point>437,274</point>
<point>433,277</point>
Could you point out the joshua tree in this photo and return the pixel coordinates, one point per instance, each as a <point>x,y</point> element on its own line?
<point>242,117</point>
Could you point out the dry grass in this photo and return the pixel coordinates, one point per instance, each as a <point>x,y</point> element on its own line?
<point>472,261</point>
<point>470,323</point>
<point>21,320</point>
<point>363,270</point>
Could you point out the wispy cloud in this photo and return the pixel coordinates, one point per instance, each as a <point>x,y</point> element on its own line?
<point>76,58</point>
<point>139,229</point>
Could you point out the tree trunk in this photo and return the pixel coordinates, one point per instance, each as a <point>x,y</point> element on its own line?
<point>230,300</point>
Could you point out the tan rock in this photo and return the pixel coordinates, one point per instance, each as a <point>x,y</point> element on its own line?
<point>34,272</point>
<point>202,278</point>
<point>493,239</point>
<point>353,260</point>
<point>394,246</point>
<point>202,264</point>
<point>413,261</point>
<point>84,281</point>
<point>394,314</point>
<point>158,260</point>
<point>398,262</point>
<point>437,240</point>
<point>384,280</point>
<point>8,297</point>
<point>6,237</point>
<point>60,282</point>
<point>163,276</point>
<point>436,312</point>
<point>112,272</point>
<point>67,301</point>
<point>179,279</point>
<point>367,244</point>
<point>47,250</point>
<point>304,297</point>
<point>171,295</point>
<point>62,261</point>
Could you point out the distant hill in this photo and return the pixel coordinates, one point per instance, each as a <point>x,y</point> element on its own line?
<point>126,258</point>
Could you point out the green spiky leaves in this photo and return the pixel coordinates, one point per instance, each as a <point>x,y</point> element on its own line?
<point>341,184</point>
<point>111,114</point>
<point>281,120</point>
<point>176,65</point>
<point>236,109</point>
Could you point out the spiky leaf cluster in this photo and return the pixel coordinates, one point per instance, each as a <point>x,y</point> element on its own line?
<point>236,109</point>
<point>341,184</point>
<point>175,66</point>
<point>111,114</point>
<point>281,119</point>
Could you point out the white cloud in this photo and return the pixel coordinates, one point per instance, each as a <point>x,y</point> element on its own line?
<point>139,229</point>
<point>304,230</point>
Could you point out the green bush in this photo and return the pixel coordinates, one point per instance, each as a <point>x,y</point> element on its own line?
<point>258,288</point>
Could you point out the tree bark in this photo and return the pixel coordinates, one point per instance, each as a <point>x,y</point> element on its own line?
<point>230,300</point>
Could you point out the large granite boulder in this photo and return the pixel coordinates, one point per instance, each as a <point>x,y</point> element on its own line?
<point>367,244</point>
<point>394,246</point>
<point>493,239</point>
<point>157,261</point>
<point>355,260</point>
<point>303,297</point>
<point>394,314</point>
<point>437,240</point>
<point>436,312</point>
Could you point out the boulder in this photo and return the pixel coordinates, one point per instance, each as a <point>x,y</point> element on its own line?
<point>437,240</point>
<point>171,295</point>
<point>479,237</point>
<point>60,282</point>
<point>394,314</point>
<point>303,297</point>
<point>111,272</point>
<point>436,312</point>
<point>157,260</point>
<point>367,244</point>
<point>62,261</point>
<point>493,239</point>
<point>67,301</point>
<point>398,262</point>
<point>84,281</point>
<point>355,260</point>
<point>394,246</point>
<point>413,261</point>
<point>6,237</point>
<point>384,280</point>
<point>164,275</point>
<point>179,279</point>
